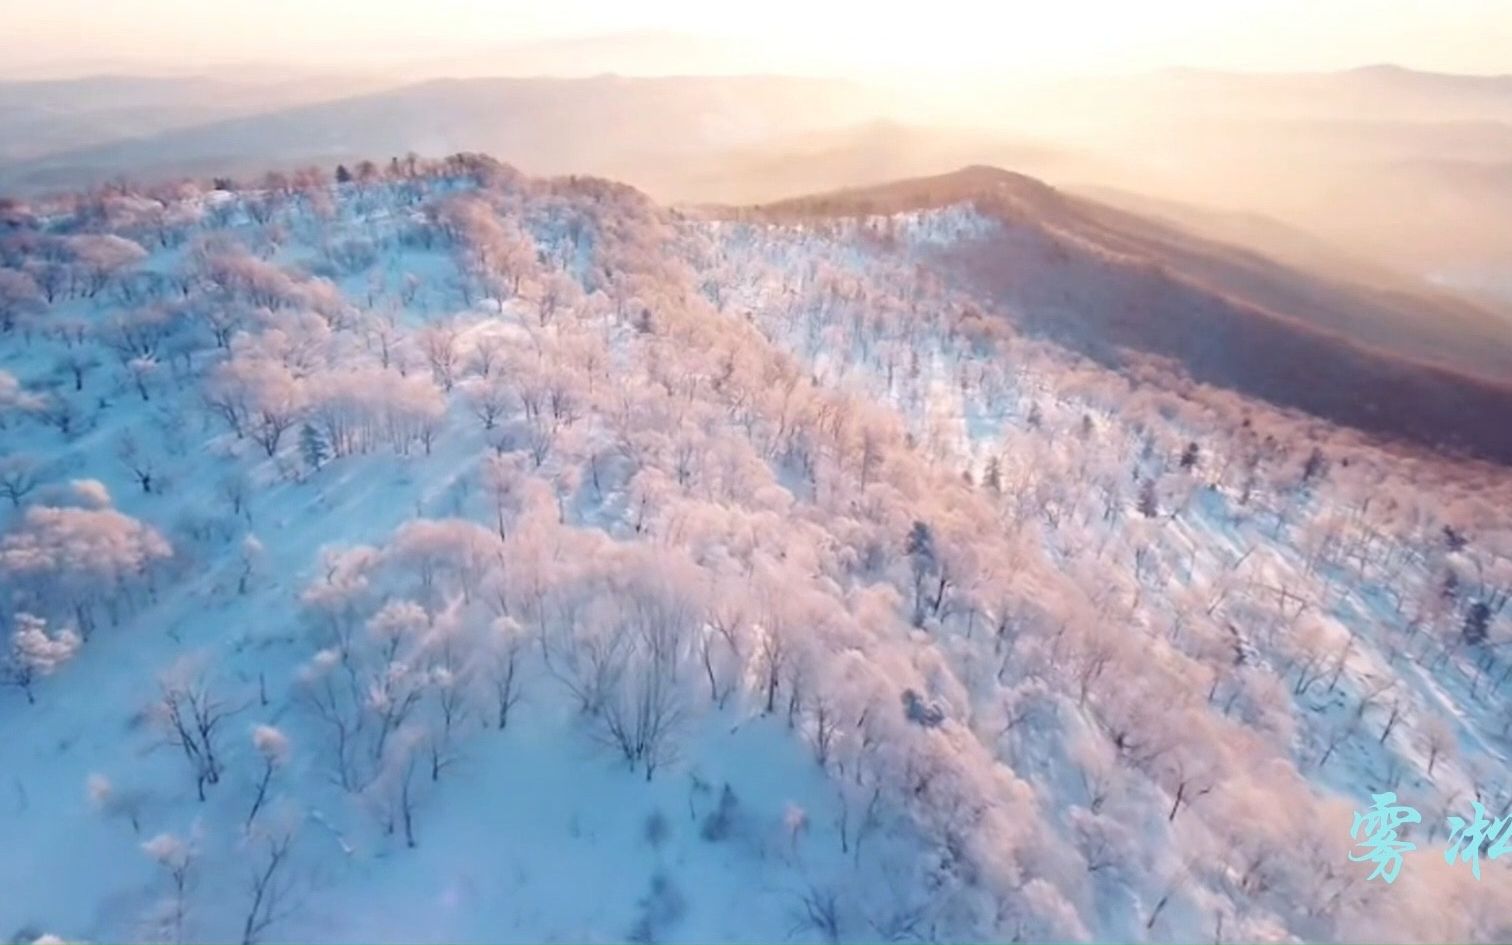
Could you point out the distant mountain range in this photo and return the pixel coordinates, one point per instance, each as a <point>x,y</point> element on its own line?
<point>43,118</point>
<point>1399,169</point>
<point>585,125</point>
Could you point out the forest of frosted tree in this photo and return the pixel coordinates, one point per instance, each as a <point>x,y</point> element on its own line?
<point>424,550</point>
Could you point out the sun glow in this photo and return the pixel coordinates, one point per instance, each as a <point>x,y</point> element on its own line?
<point>943,36</point>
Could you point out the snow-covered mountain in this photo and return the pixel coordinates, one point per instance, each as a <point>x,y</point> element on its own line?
<point>1107,283</point>
<point>1404,170</point>
<point>449,555</point>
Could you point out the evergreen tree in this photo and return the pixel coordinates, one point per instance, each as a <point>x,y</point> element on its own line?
<point>1314,466</point>
<point>920,549</point>
<point>993,477</point>
<point>1149,507</point>
<point>343,176</point>
<point>1189,456</point>
<point>1477,623</point>
<point>312,446</point>
<point>1449,588</point>
<point>920,543</point>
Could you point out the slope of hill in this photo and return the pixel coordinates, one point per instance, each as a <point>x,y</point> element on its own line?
<point>1289,245</point>
<point>1396,165</point>
<point>1424,368</point>
<point>1320,151</point>
<point>454,555</point>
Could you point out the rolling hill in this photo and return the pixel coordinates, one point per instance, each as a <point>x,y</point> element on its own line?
<point>45,117</point>
<point>1415,365</point>
<point>455,555</point>
<point>580,125</point>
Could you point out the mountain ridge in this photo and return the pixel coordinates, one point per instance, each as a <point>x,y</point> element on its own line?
<point>1443,364</point>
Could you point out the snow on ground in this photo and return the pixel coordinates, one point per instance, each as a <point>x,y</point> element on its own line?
<point>820,603</point>
<point>537,833</point>
<point>1378,672</point>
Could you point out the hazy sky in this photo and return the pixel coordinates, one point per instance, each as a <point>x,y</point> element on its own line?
<point>813,35</point>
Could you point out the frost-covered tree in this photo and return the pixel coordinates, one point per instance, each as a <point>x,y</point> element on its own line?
<point>20,296</point>
<point>178,859</point>
<point>257,397</point>
<point>271,888</point>
<point>35,652</point>
<point>505,647</point>
<point>100,258</point>
<point>251,556</point>
<point>111,800</point>
<point>20,474</point>
<point>489,398</point>
<point>441,344</point>
<point>76,560</point>
<point>272,747</point>
<point>15,399</point>
<point>190,713</point>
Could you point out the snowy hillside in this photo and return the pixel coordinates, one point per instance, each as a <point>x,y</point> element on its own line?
<point>447,555</point>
